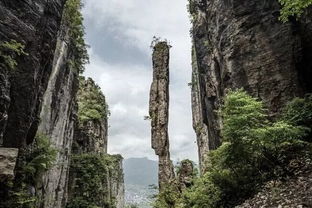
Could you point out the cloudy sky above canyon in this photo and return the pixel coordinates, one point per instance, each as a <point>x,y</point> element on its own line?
<point>119,33</point>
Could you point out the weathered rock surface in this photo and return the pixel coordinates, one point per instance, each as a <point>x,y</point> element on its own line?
<point>117,184</point>
<point>57,121</point>
<point>91,135</point>
<point>185,174</point>
<point>293,193</point>
<point>242,44</point>
<point>8,158</point>
<point>34,24</point>
<point>158,111</point>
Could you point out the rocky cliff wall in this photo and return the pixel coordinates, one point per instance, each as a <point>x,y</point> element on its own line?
<point>242,44</point>
<point>91,132</point>
<point>57,121</point>
<point>95,178</point>
<point>34,25</point>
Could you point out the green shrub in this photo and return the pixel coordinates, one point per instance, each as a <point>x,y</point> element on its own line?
<point>41,157</point>
<point>9,51</point>
<point>253,151</point>
<point>169,197</point>
<point>293,8</point>
<point>299,112</point>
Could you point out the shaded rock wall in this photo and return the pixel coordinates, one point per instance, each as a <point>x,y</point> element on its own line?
<point>242,44</point>
<point>158,111</point>
<point>34,24</point>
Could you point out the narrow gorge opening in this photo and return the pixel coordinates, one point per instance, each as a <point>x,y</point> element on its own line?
<point>120,35</point>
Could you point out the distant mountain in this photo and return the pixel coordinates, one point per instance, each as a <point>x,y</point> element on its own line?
<point>140,171</point>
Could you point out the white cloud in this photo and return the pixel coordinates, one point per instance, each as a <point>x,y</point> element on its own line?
<point>131,25</point>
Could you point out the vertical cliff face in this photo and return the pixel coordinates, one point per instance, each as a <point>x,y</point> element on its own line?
<point>158,110</point>
<point>57,121</point>
<point>95,178</point>
<point>42,52</point>
<point>242,44</point>
<point>34,25</point>
<point>91,135</point>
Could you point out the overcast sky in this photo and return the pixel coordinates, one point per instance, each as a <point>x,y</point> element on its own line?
<point>119,33</point>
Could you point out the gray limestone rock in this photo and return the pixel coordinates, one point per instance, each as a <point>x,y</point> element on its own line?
<point>158,110</point>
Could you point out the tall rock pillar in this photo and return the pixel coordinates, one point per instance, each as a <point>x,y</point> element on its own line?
<point>158,110</point>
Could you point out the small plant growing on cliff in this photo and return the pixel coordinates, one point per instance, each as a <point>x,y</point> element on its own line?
<point>41,157</point>
<point>293,8</point>
<point>38,159</point>
<point>74,21</point>
<point>160,43</point>
<point>9,51</point>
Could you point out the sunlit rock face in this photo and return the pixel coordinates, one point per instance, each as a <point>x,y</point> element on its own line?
<point>34,24</point>
<point>242,44</point>
<point>158,110</point>
<point>57,121</point>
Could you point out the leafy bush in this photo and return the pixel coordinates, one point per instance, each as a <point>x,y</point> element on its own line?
<point>169,197</point>
<point>253,151</point>
<point>293,8</point>
<point>299,112</point>
<point>9,51</point>
<point>40,158</point>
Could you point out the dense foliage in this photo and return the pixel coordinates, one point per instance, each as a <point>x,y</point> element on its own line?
<point>9,51</point>
<point>91,173</point>
<point>91,101</point>
<point>73,19</point>
<point>37,160</point>
<point>254,150</point>
<point>293,8</point>
<point>298,112</point>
